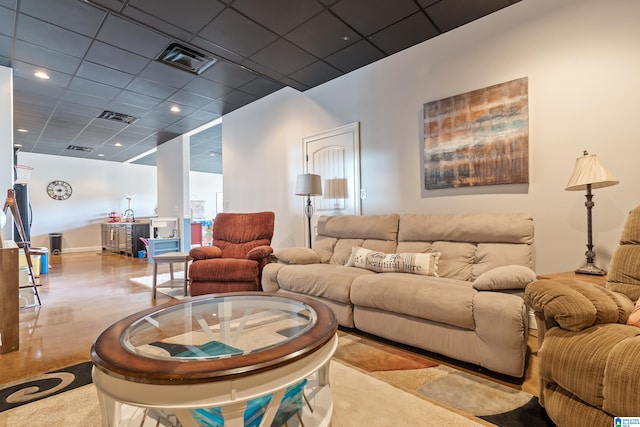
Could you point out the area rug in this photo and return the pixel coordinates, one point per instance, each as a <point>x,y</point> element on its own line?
<point>175,292</point>
<point>373,384</point>
<point>359,400</point>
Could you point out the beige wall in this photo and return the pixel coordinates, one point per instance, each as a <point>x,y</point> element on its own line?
<point>582,59</point>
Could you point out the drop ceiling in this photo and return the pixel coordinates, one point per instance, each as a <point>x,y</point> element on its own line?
<point>101,55</point>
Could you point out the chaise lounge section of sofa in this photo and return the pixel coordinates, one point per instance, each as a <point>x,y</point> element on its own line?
<point>447,283</point>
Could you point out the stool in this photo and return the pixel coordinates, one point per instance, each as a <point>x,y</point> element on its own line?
<point>170,258</point>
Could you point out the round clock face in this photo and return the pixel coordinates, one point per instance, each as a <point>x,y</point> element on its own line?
<point>59,190</point>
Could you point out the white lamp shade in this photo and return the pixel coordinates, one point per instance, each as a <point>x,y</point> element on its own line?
<point>309,184</point>
<point>589,170</point>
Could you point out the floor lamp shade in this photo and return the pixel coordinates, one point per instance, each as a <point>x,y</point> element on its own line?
<point>588,174</point>
<point>309,185</point>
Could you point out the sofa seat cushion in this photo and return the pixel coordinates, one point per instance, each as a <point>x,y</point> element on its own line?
<point>224,270</point>
<point>417,296</point>
<point>598,375</point>
<point>321,280</point>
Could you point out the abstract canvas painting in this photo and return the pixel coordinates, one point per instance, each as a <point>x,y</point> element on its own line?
<point>478,138</point>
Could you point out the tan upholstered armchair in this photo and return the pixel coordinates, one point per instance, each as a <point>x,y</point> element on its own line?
<point>589,356</point>
<point>241,248</point>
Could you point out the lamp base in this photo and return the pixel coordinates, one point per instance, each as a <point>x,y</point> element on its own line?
<point>589,268</point>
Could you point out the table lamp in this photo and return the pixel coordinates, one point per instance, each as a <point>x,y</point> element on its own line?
<point>309,185</point>
<point>588,174</point>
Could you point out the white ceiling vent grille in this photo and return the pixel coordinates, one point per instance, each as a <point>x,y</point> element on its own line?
<point>79,148</point>
<point>117,117</point>
<point>186,58</point>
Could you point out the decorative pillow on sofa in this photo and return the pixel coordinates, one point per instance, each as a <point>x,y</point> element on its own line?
<point>505,277</point>
<point>425,264</point>
<point>634,317</point>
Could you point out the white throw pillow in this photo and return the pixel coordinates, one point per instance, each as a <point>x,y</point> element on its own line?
<point>425,264</point>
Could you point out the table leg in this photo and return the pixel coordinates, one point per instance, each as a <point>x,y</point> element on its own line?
<point>171,269</point>
<point>233,414</point>
<point>155,280</point>
<point>185,417</point>
<point>186,264</point>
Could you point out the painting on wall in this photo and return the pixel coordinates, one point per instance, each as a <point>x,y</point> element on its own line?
<point>477,138</point>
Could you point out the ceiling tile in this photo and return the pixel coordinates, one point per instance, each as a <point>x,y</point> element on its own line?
<point>65,14</point>
<point>238,98</point>
<point>228,74</point>
<point>191,99</point>
<point>98,73</point>
<point>367,17</point>
<point>46,35</point>
<point>49,59</point>
<point>26,72</point>
<point>215,50</point>
<point>84,112</point>
<point>158,24</point>
<point>236,33</point>
<point>269,13</point>
<point>355,56</point>
<point>323,35</point>
<point>316,74</point>
<point>406,33</point>
<point>261,87</point>
<point>7,19</point>
<point>127,35</point>
<point>11,4</point>
<point>190,15</point>
<point>94,88</point>
<point>260,68</point>
<point>166,74</point>
<point>82,98</point>
<point>207,88</point>
<point>450,14</point>
<point>137,99</point>
<point>150,88</point>
<point>119,59</point>
<point>283,57</point>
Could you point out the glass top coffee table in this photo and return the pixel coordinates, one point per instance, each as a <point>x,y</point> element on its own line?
<point>225,359</point>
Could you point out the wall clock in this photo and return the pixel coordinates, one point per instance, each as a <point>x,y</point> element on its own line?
<point>59,190</point>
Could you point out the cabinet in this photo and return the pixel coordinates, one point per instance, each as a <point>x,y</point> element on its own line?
<point>9,318</point>
<point>124,238</point>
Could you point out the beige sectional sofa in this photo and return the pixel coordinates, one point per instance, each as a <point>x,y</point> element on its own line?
<point>450,283</point>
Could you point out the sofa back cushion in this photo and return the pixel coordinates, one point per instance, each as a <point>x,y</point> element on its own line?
<point>470,244</point>
<point>624,270</point>
<point>337,235</point>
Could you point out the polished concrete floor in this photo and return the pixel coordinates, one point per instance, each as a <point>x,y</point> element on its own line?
<point>83,294</point>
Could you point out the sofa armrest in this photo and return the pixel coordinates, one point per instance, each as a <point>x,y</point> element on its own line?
<point>574,305</point>
<point>506,277</point>
<point>298,255</point>
<point>205,252</point>
<point>259,252</point>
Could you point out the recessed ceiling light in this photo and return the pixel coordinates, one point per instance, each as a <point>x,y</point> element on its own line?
<point>23,130</point>
<point>17,145</point>
<point>345,38</point>
<point>41,75</point>
<point>100,155</point>
<point>212,154</point>
<point>117,144</point>
<point>175,109</point>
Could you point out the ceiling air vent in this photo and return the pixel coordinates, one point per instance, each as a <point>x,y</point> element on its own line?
<point>186,58</point>
<point>79,148</point>
<point>117,117</point>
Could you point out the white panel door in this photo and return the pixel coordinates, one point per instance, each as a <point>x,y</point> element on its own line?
<point>335,156</point>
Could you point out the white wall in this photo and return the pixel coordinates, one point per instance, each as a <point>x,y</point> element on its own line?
<point>582,59</point>
<point>6,148</point>
<point>99,187</point>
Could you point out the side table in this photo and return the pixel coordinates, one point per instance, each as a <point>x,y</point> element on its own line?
<point>597,280</point>
<point>170,258</point>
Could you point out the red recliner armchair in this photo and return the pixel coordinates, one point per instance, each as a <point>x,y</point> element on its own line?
<point>241,248</point>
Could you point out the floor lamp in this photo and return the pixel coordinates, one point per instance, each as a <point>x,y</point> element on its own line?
<point>588,174</point>
<point>309,185</point>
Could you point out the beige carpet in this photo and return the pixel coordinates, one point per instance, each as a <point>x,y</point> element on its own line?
<point>359,400</point>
